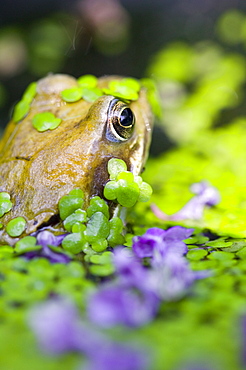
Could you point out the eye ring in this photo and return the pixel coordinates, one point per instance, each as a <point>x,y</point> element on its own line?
<point>121,121</point>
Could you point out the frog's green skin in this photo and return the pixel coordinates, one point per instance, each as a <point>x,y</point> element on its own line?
<point>38,168</point>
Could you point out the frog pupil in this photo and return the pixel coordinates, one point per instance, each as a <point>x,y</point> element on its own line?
<point>126,117</point>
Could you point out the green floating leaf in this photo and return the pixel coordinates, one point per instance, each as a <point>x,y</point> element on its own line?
<point>87,81</point>
<point>27,244</point>
<point>102,264</point>
<point>70,203</point>
<point>145,192</point>
<point>102,259</point>
<point>91,94</point>
<point>197,255</point>
<point>125,175</point>
<point>71,95</point>
<point>45,121</point>
<point>78,227</point>
<point>74,243</point>
<point>221,256</point>
<point>127,193</point>
<point>102,270</point>
<point>242,253</point>
<point>5,203</point>
<point>124,186</point>
<point>16,226</point>
<point>20,111</point>
<point>99,245</point>
<point>115,166</point>
<point>97,228</point>
<point>110,190</point>
<point>131,83</point>
<point>115,237</point>
<point>30,92</point>
<point>126,88</point>
<point>78,216</point>
<point>98,205</point>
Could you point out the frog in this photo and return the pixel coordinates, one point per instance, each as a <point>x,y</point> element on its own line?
<point>38,168</point>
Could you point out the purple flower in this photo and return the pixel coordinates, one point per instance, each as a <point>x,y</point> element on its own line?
<point>160,240</point>
<point>118,356</point>
<point>171,277</point>
<point>59,330</point>
<point>45,238</point>
<point>206,195</point>
<point>56,325</point>
<point>129,268</point>
<point>118,304</point>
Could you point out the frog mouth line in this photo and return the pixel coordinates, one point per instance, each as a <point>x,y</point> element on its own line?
<point>23,158</point>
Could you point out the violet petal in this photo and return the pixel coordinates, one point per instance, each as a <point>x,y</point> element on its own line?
<point>120,305</point>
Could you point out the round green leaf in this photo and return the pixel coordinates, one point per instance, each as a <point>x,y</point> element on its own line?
<point>87,81</point>
<point>16,226</point>
<point>70,203</point>
<point>30,92</point>
<point>110,190</point>
<point>127,193</point>
<point>97,205</point>
<point>91,94</point>
<point>5,203</point>
<point>74,243</point>
<point>20,111</point>
<point>145,192</point>
<point>97,227</point>
<point>71,95</point>
<point>115,166</point>
<point>26,244</point>
<point>78,216</point>
<point>45,121</point>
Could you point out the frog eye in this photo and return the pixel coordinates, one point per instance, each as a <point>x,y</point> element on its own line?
<point>121,121</point>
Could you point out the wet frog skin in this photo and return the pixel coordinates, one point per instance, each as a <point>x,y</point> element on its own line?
<point>38,168</point>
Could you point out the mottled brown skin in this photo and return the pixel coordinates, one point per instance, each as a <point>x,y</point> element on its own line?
<point>38,168</point>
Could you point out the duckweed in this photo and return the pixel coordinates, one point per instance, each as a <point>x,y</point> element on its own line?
<point>70,203</point>
<point>126,188</point>
<point>20,111</point>
<point>97,228</point>
<point>91,94</point>
<point>89,81</point>
<point>92,230</point>
<point>45,121</point>
<point>127,88</point>
<point>98,205</point>
<point>5,203</point>
<point>115,167</point>
<point>16,226</point>
<point>74,243</point>
<point>26,244</point>
<point>22,108</point>
<point>30,92</point>
<point>71,95</point>
<point>77,217</point>
<point>116,227</point>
